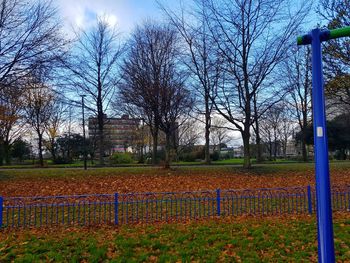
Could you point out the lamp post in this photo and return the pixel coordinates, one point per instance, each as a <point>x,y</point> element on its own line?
<point>323,191</point>
<point>84,136</point>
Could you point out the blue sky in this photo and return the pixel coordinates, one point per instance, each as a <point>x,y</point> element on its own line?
<point>125,14</point>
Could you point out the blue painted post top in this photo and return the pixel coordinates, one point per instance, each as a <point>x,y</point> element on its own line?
<point>324,35</point>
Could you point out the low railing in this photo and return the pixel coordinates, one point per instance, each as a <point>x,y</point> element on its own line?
<point>161,207</point>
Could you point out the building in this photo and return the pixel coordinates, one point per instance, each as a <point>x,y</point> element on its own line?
<point>127,134</point>
<point>119,133</point>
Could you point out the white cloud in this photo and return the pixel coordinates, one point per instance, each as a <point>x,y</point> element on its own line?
<point>111,20</point>
<point>83,13</point>
<point>124,14</point>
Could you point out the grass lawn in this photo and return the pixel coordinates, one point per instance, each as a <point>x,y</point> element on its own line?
<point>101,171</point>
<point>236,163</point>
<point>287,239</point>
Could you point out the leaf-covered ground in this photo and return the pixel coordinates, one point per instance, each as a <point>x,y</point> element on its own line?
<point>59,181</point>
<point>235,239</point>
<point>281,239</point>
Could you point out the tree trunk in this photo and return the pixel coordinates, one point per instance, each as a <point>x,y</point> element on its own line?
<point>1,152</point>
<point>167,151</point>
<point>141,155</point>
<point>155,146</point>
<point>142,159</point>
<point>258,144</point>
<point>207,146</point>
<point>207,131</point>
<point>53,150</point>
<point>257,133</point>
<point>275,145</point>
<point>304,121</point>
<point>285,149</point>
<point>40,148</point>
<point>7,156</point>
<point>101,148</point>
<point>303,150</point>
<point>100,117</point>
<point>246,137</point>
<point>303,141</point>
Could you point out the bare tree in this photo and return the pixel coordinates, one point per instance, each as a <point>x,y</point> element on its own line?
<point>219,133</point>
<point>189,135</point>
<point>267,135</point>
<point>251,45</point>
<point>39,102</point>
<point>201,59</point>
<point>286,128</point>
<point>298,81</point>
<point>30,37</point>
<point>11,104</point>
<point>176,102</point>
<point>153,87</point>
<point>276,129</point>
<point>53,126</point>
<point>93,70</point>
<point>337,54</point>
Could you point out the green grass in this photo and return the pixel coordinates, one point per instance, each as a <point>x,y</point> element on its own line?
<point>235,161</point>
<point>231,161</point>
<point>71,172</point>
<point>249,240</point>
<point>259,169</point>
<point>76,164</point>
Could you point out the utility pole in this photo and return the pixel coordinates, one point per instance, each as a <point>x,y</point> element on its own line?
<point>142,141</point>
<point>84,136</point>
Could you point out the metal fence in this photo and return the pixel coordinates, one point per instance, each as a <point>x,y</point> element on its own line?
<point>161,207</point>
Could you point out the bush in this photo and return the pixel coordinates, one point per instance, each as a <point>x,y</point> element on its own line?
<point>188,157</point>
<point>62,160</point>
<point>215,156</point>
<point>340,155</point>
<point>192,155</point>
<point>121,158</point>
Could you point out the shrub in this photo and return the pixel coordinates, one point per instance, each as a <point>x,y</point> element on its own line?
<point>62,160</point>
<point>188,157</point>
<point>215,156</point>
<point>121,158</point>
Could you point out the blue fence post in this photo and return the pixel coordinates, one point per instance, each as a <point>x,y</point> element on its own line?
<point>309,199</point>
<point>116,204</point>
<point>1,210</point>
<point>218,200</point>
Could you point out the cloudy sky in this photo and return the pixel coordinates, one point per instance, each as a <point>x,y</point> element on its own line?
<point>123,13</point>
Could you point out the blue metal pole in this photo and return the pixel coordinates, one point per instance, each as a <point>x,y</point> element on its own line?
<point>309,199</point>
<point>324,210</point>
<point>1,210</point>
<point>116,209</point>
<point>218,199</point>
